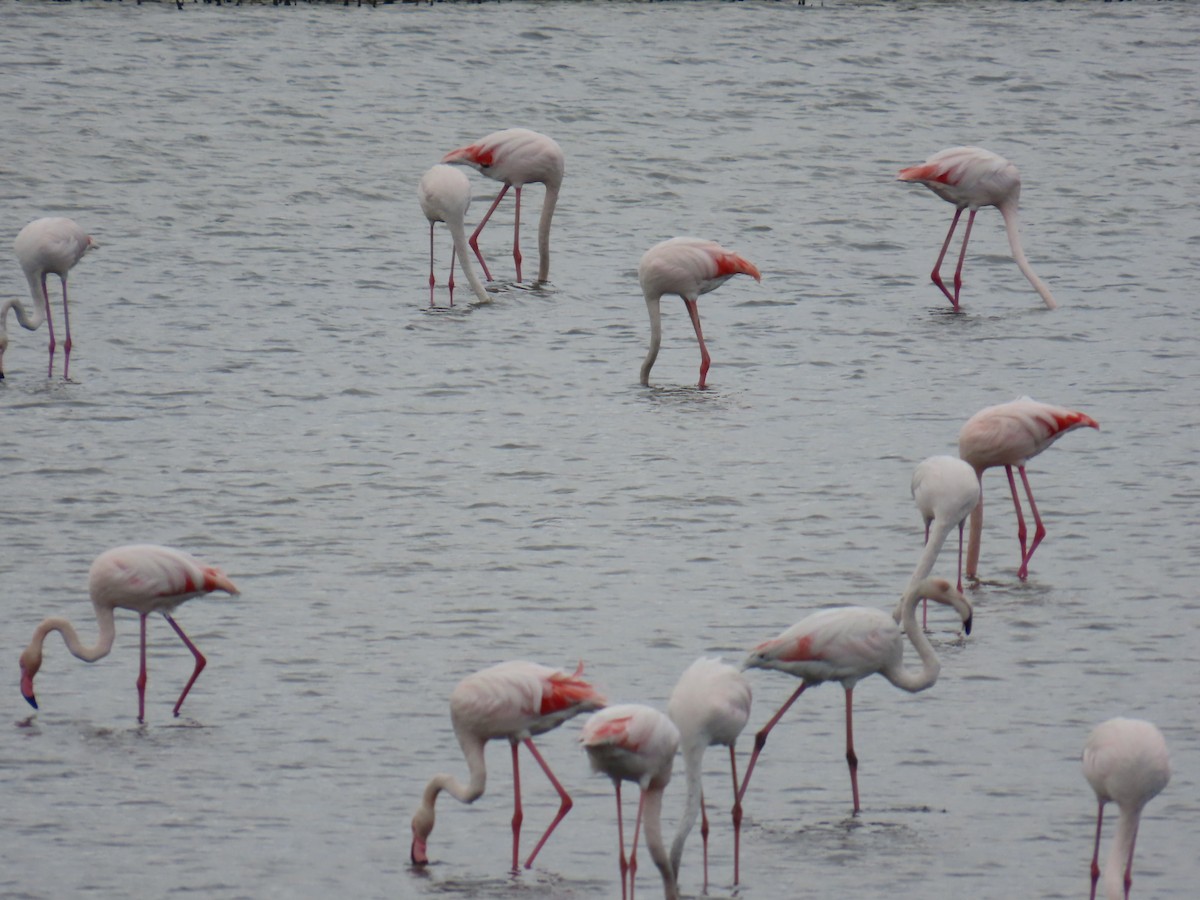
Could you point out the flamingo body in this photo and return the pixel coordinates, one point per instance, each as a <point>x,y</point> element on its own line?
<point>145,578</point>
<point>1125,761</point>
<point>688,267</point>
<point>517,157</point>
<point>44,247</point>
<point>1010,434</point>
<point>444,193</point>
<point>631,742</point>
<point>710,706</point>
<point>945,489</point>
<point>971,178</point>
<point>514,700</point>
<point>849,643</point>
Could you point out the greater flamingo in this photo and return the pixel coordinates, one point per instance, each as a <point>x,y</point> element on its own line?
<point>444,194</point>
<point>710,705</point>
<point>688,267</point>
<point>1124,760</point>
<point>631,742</point>
<point>50,246</point>
<point>1010,434</point>
<point>144,578</point>
<point>971,177</point>
<point>514,700</point>
<point>517,157</point>
<point>848,643</point>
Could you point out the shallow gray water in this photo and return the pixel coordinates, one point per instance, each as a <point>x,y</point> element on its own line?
<point>406,496</point>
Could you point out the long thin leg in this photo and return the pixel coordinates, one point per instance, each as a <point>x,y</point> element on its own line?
<point>1039,530</point>
<point>432,280</point>
<point>518,813</point>
<point>1096,851</point>
<point>694,312</point>
<point>565,802</point>
<point>474,241</point>
<point>50,326</point>
<point>960,554</point>
<point>637,827</point>
<point>704,837</point>
<point>450,283</point>
<point>201,662</point>
<point>621,840</point>
<point>517,234</point>
<point>737,820</point>
<point>760,739</point>
<point>141,680</point>
<point>851,756</point>
<point>1012,484</point>
<point>936,275</point>
<point>962,255</point>
<point>67,328</point>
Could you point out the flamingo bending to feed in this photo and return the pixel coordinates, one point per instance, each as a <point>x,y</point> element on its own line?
<point>445,194</point>
<point>971,177</point>
<point>514,700</point>
<point>1010,434</point>
<point>44,247</point>
<point>631,742</point>
<point>848,643</point>
<point>710,705</point>
<point>1124,760</point>
<point>688,267</point>
<point>517,157</point>
<point>144,578</point>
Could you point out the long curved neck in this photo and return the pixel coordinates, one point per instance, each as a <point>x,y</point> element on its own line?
<point>548,205</point>
<point>463,252</point>
<point>1120,854</point>
<point>99,650</point>
<point>30,321</point>
<point>652,822</point>
<point>909,679</point>
<point>933,546</point>
<point>976,533</point>
<point>693,755</point>
<point>1009,212</point>
<point>653,306</point>
<point>423,819</point>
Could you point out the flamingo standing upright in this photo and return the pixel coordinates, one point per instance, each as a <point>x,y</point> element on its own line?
<point>971,177</point>
<point>710,705</point>
<point>688,267</point>
<point>517,157</point>
<point>631,742</point>
<point>1010,434</point>
<point>44,247</point>
<point>144,578</point>
<point>848,643</point>
<point>444,194</point>
<point>514,700</point>
<point>1124,760</point>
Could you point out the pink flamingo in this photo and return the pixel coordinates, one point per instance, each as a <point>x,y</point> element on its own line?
<point>444,194</point>
<point>631,742</point>
<point>688,267</point>
<point>144,578</point>
<point>848,643</point>
<point>1010,434</point>
<point>45,247</point>
<point>710,705</point>
<point>514,700</point>
<point>1124,760</point>
<point>971,177</point>
<point>516,157</point>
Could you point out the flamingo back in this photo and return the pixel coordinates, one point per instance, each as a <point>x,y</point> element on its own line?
<point>518,699</point>
<point>843,644</point>
<point>710,703</point>
<point>1126,760</point>
<point>689,267</point>
<point>148,578</point>
<point>631,742</point>
<point>515,156</point>
<point>444,192</point>
<point>967,176</point>
<point>1012,433</point>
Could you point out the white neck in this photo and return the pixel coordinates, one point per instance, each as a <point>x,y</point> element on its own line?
<point>1009,212</point>
<point>29,321</point>
<point>693,756</point>
<point>653,306</point>
<point>544,231</point>
<point>652,818</point>
<point>908,679</point>
<point>463,252</point>
<point>99,650</point>
<point>1119,854</point>
<point>472,748</point>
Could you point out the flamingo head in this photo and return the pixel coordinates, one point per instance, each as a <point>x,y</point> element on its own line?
<point>422,825</point>
<point>3,347</point>
<point>31,661</point>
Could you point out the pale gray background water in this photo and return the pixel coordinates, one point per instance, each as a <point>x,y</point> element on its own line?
<point>405,497</point>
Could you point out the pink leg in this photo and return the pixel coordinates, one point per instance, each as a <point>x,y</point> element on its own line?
<point>1039,530</point>
<point>518,813</point>
<point>637,827</point>
<point>737,820</point>
<point>141,680</point>
<point>564,805</point>
<point>760,739</point>
<point>962,255</point>
<point>450,283</point>
<point>432,280</point>
<point>936,275</point>
<point>621,840</point>
<point>1012,484</point>
<point>67,328</point>
<point>517,234</point>
<point>960,554</point>
<point>50,326</point>
<point>851,757</point>
<point>704,837</point>
<point>704,358</point>
<point>474,241</point>
<point>201,662</point>
<point>1096,851</point>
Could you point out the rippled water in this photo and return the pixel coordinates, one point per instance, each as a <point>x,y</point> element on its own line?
<point>406,496</point>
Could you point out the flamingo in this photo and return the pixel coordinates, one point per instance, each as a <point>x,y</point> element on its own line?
<point>631,742</point>
<point>709,705</point>
<point>1124,760</point>
<point>516,157</point>
<point>514,700</point>
<point>1010,434</point>
<point>971,177</point>
<point>848,643</point>
<point>145,578</point>
<point>444,194</point>
<point>50,246</point>
<point>688,267</point>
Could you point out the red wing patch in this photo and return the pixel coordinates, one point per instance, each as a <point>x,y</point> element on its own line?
<point>926,172</point>
<point>1072,420</point>
<point>613,728</point>
<point>563,691</point>
<point>799,650</point>
<point>732,264</point>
